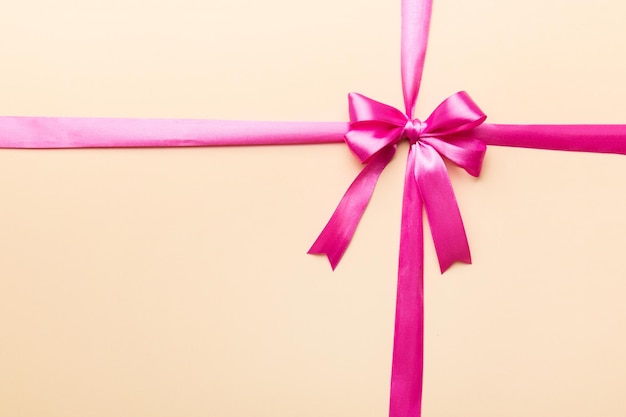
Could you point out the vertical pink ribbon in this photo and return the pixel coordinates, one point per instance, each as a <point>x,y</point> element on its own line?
<point>375,130</point>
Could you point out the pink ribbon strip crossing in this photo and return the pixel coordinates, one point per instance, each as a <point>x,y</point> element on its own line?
<point>455,130</point>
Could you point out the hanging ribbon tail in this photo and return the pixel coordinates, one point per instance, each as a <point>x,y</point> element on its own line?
<point>336,236</point>
<point>408,342</point>
<point>441,207</point>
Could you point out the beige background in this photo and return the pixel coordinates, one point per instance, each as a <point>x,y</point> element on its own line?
<point>174,282</point>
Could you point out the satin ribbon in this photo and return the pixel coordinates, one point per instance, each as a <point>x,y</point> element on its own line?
<point>373,136</point>
<point>76,132</point>
<point>455,130</point>
<point>20,132</point>
<point>375,131</point>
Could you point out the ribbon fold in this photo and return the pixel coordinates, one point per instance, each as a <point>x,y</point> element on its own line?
<point>373,136</point>
<point>455,131</point>
<point>374,133</point>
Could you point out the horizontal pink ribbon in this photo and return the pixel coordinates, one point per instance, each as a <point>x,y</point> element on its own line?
<point>68,132</point>
<point>19,132</point>
<point>455,130</point>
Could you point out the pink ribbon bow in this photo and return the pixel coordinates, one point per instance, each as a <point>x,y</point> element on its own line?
<point>375,131</point>
<point>373,136</point>
<point>453,131</point>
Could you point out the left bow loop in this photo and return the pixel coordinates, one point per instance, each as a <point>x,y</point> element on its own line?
<point>373,126</point>
<point>365,109</point>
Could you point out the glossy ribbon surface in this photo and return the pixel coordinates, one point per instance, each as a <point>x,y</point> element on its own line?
<point>455,130</point>
<point>375,130</point>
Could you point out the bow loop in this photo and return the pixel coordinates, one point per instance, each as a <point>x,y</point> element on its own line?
<point>373,126</point>
<point>466,152</point>
<point>455,114</point>
<point>366,139</point>
<point>364,109</point>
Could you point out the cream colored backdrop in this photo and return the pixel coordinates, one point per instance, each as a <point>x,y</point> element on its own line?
<point>174,282</point>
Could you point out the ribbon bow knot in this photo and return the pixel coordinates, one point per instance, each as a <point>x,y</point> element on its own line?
<point>413,130</point>
<point>373,137</point>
